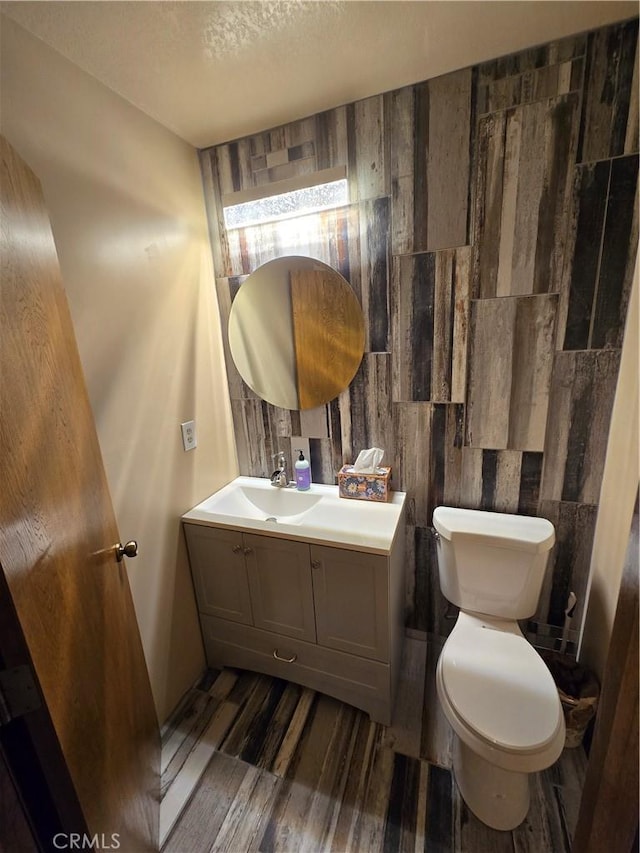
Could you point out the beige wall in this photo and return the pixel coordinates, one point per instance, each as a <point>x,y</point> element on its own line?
<point>125,200</point>
<point>617,499</point>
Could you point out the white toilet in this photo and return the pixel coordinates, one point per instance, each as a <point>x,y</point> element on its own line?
<point>494,688</point>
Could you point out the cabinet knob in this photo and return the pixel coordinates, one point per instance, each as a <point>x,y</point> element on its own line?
<point>248,550</point>
<point>284,660</point>
<point>315,564</point>
<point>237,549</point>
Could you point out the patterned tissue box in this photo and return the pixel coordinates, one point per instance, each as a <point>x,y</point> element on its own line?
<point>364,487</point>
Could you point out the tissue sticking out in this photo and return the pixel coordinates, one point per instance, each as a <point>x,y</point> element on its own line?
<point>368,461</point>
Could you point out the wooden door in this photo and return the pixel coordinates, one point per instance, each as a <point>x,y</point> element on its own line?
<point>280,584</point>
<point>219,572</point>
<point>350,590</point>
<point>57,531</point>
<point>608,818</point>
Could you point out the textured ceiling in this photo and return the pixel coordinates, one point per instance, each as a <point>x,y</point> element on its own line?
<point>213,71</point>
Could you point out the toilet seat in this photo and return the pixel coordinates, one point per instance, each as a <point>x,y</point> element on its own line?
<point>498,686</point>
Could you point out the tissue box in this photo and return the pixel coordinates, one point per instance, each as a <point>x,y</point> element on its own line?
<point>364,487</point>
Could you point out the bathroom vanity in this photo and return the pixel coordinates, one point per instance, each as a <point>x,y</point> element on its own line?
<point>303,586</point>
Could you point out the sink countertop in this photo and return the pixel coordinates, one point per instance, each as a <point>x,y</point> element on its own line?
<point>247,503</point>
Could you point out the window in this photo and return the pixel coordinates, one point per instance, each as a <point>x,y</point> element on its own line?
<point>288,204</point>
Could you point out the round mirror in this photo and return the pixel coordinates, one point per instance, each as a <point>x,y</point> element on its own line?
<point>296,332</point>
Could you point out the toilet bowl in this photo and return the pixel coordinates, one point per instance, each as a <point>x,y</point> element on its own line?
<point>493,687</point>
<point>503,707</point>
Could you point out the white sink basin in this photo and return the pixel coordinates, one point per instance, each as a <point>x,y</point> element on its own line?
<point>317,515</point>
<point>278,502</point>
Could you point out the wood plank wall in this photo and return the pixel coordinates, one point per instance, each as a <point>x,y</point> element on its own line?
<point>491,239</point>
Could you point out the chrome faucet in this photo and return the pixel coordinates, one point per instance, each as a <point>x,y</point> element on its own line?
<point>279,477</point>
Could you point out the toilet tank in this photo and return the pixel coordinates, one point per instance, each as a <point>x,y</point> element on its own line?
<point>492,562</point>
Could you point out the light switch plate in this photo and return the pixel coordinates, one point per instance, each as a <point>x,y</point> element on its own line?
<point>189,440</point>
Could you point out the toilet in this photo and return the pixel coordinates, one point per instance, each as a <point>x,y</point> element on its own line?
<point>494,688</point>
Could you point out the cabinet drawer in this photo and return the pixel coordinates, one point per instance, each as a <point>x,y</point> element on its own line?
<point>366,684</point>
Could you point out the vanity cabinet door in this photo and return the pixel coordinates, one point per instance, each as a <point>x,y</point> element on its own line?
<point>351,597</point>
<point>219,572</point>
<point>280,583</point>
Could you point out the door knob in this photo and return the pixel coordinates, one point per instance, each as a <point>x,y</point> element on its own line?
<point>315,564</point>
<point>128,550</point>
<point>237,549</point>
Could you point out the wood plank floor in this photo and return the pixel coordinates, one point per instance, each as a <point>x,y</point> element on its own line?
<point>252,763</point>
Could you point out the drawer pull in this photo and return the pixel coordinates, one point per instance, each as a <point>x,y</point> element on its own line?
<point>284,660</point>
<point>237,549</point>
<point>248,550</point>
<point>315,564</point>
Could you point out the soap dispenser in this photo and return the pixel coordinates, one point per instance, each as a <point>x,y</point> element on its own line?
<point>303,473</point>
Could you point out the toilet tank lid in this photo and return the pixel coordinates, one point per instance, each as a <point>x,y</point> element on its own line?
<point>528,533</point>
